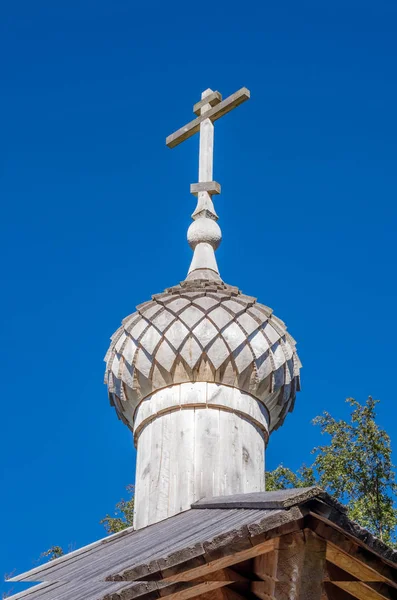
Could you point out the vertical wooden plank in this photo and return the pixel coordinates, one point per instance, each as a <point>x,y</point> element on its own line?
<point>206,150</point>
<point>143,464</point>
<point>166,398</point>
<point>265,567</point>
<point>158,493</point>
<point>171,434</point>
<point>253,458</point>
<point>165,479</point>
<point>152,499</point>
<point>230,453</point>
<point>181,460</point>
<point>143,412</point>
<point>193,393</point>
<point>294,571</point>
<point>289,567</point>
<point>205,450</point>
<point>312,577</point>
<point>290,557</point>
<point>185,458</point>
<point>253,463</point>
<point>216,459</point>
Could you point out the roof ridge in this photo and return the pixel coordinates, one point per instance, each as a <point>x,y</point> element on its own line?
<point>277,499</point>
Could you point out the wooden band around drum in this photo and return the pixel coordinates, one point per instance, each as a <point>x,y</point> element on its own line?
<point>201,395</point>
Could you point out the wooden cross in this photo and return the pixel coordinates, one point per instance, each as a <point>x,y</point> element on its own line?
<point>210,108</point>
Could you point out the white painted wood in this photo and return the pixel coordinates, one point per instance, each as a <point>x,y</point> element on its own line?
<point>200,440</point>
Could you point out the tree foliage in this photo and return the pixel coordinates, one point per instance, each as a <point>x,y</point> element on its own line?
<point>123,517</point>
<point>124,514</point>
<point>355,467</point>
<point>52,553</point>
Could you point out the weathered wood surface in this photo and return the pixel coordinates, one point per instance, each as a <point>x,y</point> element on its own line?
<point>214,595</point>
<point>265,567</point>
<point>274,500</point>
<point>229,594</point>
<point>211,187</point>
<point>214,114</point>
<point>196,590</point>
<point>359,590</point>
<point>221,563</point>
<point>201,585</point>
<point>206,152</point>
<point>213,98</point>
<point>312,575</point>
<point>196,440</point>
<point>286,569</point>
<point>355,547</point>
<point>293,571</point>
<point>225,575</point>
<point>221,546</point>
<point>209,334</point>
<point>332,592</point>
<point>353,566</point>
<point>201,394</point>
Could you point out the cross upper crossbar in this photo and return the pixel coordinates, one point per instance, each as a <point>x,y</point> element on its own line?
<point>216,112</point>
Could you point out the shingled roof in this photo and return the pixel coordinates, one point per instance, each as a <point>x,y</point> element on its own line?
<point>219,546</point>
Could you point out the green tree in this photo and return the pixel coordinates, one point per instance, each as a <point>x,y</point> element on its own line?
<point>355,467</point>
<point>52,553</point>
<point>124,514</point>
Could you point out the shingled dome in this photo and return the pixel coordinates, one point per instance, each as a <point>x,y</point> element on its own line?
<point>203,330</point>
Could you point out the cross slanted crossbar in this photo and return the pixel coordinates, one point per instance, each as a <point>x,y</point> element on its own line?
<point>217,108</point>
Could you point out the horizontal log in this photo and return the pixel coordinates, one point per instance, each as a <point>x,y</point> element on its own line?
<point>353,548</point>
<point>351,565</point>
<point>359,590</point>
<point>221,563</point>
<point>190,589</point>
<point>197,590</point>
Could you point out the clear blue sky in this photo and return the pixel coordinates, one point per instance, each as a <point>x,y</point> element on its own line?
<point>95,210</point>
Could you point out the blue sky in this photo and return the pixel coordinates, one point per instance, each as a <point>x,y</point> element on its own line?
<point>95,212</point>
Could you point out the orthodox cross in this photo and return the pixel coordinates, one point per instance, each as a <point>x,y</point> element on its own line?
<point>210,108</point>
<point>204,234</point>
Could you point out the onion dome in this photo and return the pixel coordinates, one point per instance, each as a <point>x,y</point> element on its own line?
<point>203,330</point>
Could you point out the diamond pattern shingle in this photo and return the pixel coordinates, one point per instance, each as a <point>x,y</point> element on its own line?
<point>201,331</point>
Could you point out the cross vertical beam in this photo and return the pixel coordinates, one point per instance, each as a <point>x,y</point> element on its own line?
<point>206,155</point>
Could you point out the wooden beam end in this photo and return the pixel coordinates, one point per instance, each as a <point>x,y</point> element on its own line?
<point>211,187</point>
